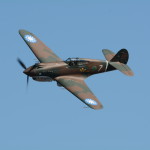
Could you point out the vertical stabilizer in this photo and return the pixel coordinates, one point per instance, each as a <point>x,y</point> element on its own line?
<point>122,56</point>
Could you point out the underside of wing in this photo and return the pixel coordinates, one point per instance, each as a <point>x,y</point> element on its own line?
<point>78,87</point>
<point>40,50</point>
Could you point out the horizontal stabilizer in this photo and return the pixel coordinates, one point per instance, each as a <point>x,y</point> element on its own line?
<point>122,68</point>
<point>108,54</point>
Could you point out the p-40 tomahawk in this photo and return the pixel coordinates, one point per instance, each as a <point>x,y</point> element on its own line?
<point>71,73</point>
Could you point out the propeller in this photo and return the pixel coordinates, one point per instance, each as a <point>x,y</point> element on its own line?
<point>24,67</point>
<point>27,81</point>
<point>21,63</point>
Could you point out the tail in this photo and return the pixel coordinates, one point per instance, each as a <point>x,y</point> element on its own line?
<point>118,61</point>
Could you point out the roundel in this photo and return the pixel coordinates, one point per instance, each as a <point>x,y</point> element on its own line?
<point>90,101</point>
<point>30,38</point>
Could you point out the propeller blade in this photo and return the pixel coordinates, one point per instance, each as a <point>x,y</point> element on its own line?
<point>27,81</point>
<point>21,63</point>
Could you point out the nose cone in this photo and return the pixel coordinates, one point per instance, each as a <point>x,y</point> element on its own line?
<point>29,71</point>
<point>26,71</point>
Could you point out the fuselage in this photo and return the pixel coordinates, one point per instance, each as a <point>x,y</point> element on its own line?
<point>72,66</point>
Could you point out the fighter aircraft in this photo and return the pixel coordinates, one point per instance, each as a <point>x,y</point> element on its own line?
<point>71,73</point>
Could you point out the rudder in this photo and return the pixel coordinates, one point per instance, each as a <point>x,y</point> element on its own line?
<point>122,56</point>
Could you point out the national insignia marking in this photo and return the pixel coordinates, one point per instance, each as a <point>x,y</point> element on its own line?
<point>82,70</point>
<point>90,101</point>
<point>30,38</point>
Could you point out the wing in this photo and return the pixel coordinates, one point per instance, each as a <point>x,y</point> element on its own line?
<point>78,87</point>
<point>40,50</point>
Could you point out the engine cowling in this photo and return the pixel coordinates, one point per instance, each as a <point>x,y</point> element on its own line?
<point>42,78</point>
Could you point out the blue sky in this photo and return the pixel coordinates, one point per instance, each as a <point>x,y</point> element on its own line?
<point>45,116</point>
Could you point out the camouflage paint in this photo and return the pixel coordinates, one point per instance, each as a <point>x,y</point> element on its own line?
<point>108,54</point>
<point>41,51</point>
<point>78,87</point>
<point>71,77</point>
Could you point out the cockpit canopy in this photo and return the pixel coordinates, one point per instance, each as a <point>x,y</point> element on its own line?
<point>72,59</point>
<point>76,62</point>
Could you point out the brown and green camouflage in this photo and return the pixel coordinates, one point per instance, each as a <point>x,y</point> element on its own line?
<point>71,73</point>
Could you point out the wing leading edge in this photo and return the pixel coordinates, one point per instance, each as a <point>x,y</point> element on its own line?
<point>78,87</point>
<point>40,50</point>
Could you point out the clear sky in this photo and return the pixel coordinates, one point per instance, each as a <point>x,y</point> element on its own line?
<point>48,117</point>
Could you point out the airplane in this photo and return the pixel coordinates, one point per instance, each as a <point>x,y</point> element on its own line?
<point>72,72</point>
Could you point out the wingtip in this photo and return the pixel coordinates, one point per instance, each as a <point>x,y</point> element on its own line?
<point>22,32</point>
<point>98,107</point>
